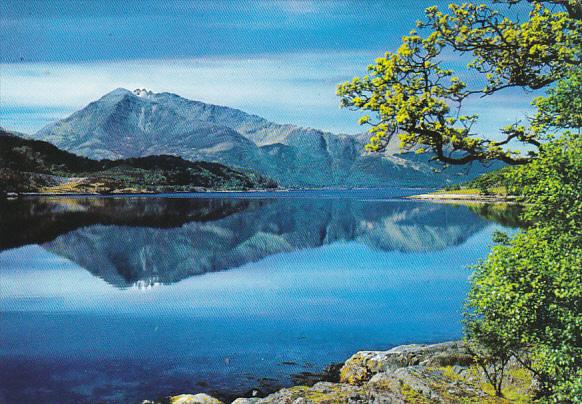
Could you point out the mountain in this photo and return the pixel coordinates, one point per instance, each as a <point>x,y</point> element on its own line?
<point>125,124</point>
<point>32,165</point>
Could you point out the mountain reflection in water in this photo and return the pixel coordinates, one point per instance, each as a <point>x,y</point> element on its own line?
<point>149,240</point>
<point>292,282</point>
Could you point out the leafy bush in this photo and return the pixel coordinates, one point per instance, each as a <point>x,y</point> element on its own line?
<point>526,296</point>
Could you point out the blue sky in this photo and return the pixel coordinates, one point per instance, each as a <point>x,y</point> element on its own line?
<point>280,59</point>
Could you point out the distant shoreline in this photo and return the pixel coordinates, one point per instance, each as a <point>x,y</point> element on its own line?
<point>144,193</point>
<point>453,198</point>
<point>464,198</point>
<point>9,195</point>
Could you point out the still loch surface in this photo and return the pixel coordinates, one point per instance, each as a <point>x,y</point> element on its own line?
<point>121,299</point>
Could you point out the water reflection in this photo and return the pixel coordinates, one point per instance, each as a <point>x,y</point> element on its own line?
<point>144,241</point>
<point>38,220</point>
<point>291,284</point>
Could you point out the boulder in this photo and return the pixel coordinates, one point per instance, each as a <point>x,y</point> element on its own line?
<point>362,366</point>
<point>320,393</point>
<point>200,398</point>
<point>420,384</point>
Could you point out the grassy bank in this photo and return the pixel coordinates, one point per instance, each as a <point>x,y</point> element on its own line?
<point>487,188</point>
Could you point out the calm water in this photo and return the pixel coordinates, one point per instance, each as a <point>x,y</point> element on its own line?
<point>123,299</point>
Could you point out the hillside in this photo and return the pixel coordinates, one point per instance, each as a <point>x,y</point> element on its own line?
<point>37,166</point>
<point>494,182</point>
<point>126,124</point>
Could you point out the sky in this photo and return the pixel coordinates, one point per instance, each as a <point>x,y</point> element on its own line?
<point>280,59</point>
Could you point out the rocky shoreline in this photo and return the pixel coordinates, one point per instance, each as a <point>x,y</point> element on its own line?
<point>438,373</point>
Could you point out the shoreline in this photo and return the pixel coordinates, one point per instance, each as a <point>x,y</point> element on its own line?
<point>15,195</point>
<point>432,197</point>
<point>465,198</point>
<point>143,193</point>
<point>416,373</point>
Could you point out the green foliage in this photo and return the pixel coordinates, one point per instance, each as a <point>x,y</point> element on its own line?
<point>562,107</point>
<point>500,237</point>
<point>551,186</point>
<point>526,297</point>
<point>484,189</point>
<point>412,95</point>
<point>503,177</point>
<point>491,352</point>
<point>532,54</point>
<point>526,301</point>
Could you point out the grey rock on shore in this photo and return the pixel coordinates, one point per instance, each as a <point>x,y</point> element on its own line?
<point>439,373</point>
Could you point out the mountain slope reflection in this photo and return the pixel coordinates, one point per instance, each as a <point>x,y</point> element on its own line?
<point>126,252</point>
<point>38,220</point>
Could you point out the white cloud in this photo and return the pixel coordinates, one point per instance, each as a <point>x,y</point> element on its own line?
<point>298,79</point>
<point>297,87</point>
<point>288,85</point>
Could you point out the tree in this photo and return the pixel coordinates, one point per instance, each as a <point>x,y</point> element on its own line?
<point>411,95</point>
<point>526,296</point>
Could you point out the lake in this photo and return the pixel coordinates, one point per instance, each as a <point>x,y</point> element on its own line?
<point>121,299</point>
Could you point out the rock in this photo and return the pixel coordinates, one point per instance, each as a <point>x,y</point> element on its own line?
<point>285,396</point>
<point>320,393</point>
<point>385,397</point>
<point>420,384</point>
<point>331,373</point>
<point>252,400</point>
<point>416,381</point>
<point>362,366</point>
<point>194,399</point>
<point>325,392</point>
<point>450,359</point>
<point>420,374</point>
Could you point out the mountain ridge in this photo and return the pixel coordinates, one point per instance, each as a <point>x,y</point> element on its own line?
<point>124,124</point>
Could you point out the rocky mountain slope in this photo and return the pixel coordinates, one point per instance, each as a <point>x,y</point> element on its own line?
<point>124,124</point>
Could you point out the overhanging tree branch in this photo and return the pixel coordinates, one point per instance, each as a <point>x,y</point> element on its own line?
<point>414,97</point>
